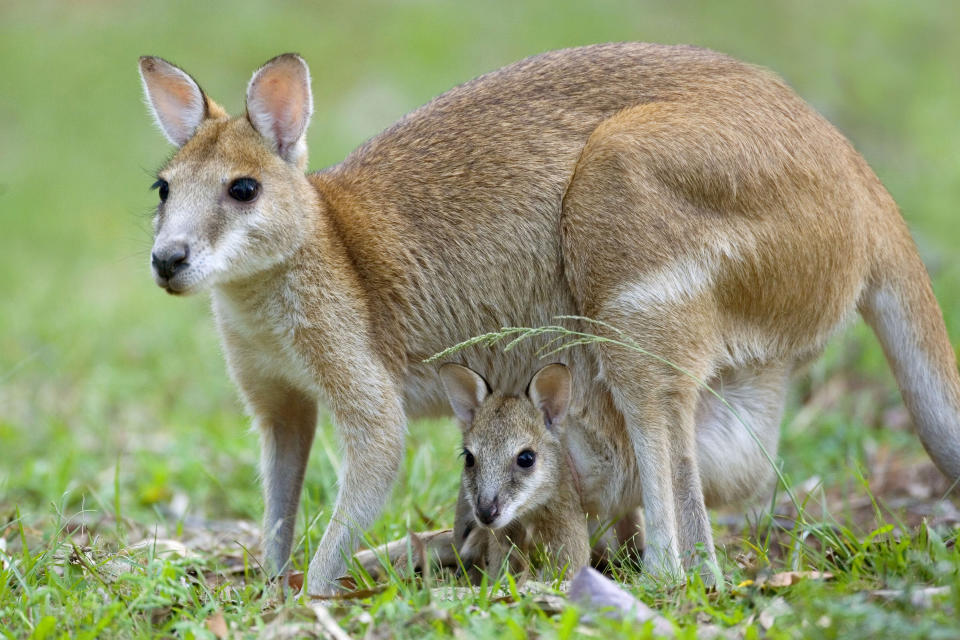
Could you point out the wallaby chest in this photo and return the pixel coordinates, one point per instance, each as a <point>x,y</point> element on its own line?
<point>258,327</point>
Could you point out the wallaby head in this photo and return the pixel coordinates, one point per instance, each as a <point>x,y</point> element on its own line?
<point>513,454</point>
<point>233,199</point>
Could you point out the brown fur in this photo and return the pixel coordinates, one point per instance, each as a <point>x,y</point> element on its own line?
<point>691,200</point>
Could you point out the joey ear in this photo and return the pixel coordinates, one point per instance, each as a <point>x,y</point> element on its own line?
<point>466,389</point>
<point>279,105</point>
<point>550,390</point>
<point>175,99</point>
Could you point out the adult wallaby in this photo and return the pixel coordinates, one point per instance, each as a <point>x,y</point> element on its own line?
<point>691,200</point>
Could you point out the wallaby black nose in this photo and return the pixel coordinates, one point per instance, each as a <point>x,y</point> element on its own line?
<point>171,259</point>
<point>488,512</point>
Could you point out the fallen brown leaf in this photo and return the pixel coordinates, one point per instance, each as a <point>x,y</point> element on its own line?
<point>294,580</point>
<point>217,625</point>
<point>788,578</point>
<point>357,594</point>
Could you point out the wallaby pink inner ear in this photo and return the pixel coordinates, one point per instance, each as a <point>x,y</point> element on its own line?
<point>176,100</point>
<point>466,389</point>
<point>550,390</point>
<point>279,104</point>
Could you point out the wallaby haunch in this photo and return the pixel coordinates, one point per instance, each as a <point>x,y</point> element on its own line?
<point>691,200</point>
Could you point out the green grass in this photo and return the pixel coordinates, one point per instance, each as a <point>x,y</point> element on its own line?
<point>118,423</point>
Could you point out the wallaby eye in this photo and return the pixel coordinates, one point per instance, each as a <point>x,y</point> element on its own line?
<point>468,459</point>
<point>526,458</point>
<point>244,189</point>
<point>162,188</point>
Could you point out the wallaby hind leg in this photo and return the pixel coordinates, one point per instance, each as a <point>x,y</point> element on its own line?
<point>657,397</point>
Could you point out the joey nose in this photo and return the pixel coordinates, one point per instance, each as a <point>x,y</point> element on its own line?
<point>487,512</point>
<point>170,259</point>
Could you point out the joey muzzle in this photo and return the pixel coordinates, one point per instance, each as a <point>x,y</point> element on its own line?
<point>488,510</point>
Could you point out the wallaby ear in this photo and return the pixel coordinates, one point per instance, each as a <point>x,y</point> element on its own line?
<point>549,391</point>
<point>279,105</point>
<point>466,389</point>
<point>176,100</point>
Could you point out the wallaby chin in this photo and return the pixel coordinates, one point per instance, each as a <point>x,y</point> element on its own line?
<point>176,292</point>
<point>185,285</point>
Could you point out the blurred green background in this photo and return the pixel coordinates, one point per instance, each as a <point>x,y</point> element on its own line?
<point>105,381</point>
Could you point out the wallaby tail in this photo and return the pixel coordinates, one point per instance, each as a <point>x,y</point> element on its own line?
<point>900,307</point>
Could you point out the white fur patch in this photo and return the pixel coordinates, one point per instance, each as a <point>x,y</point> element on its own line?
<point>676,283</point>
<point>521,501</point>
<point>687,276</point>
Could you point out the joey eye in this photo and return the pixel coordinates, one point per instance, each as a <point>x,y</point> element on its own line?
<point>162,188</point>
<point>468,459</point>
<point>244,189</point>
<point>526,458</point>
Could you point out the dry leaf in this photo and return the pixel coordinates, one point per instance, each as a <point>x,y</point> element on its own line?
<point>357,594</point>
<point>550,604</point>
<point>159,614</point>
<point>217,625</point>
<point>788,578</point>
<point>161,546</point>
<point>294,581</point>
<point>451,593</point>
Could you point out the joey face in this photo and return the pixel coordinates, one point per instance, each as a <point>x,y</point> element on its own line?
<point>234,200</point>
<point>513,455</point>
<point>511,461</point>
